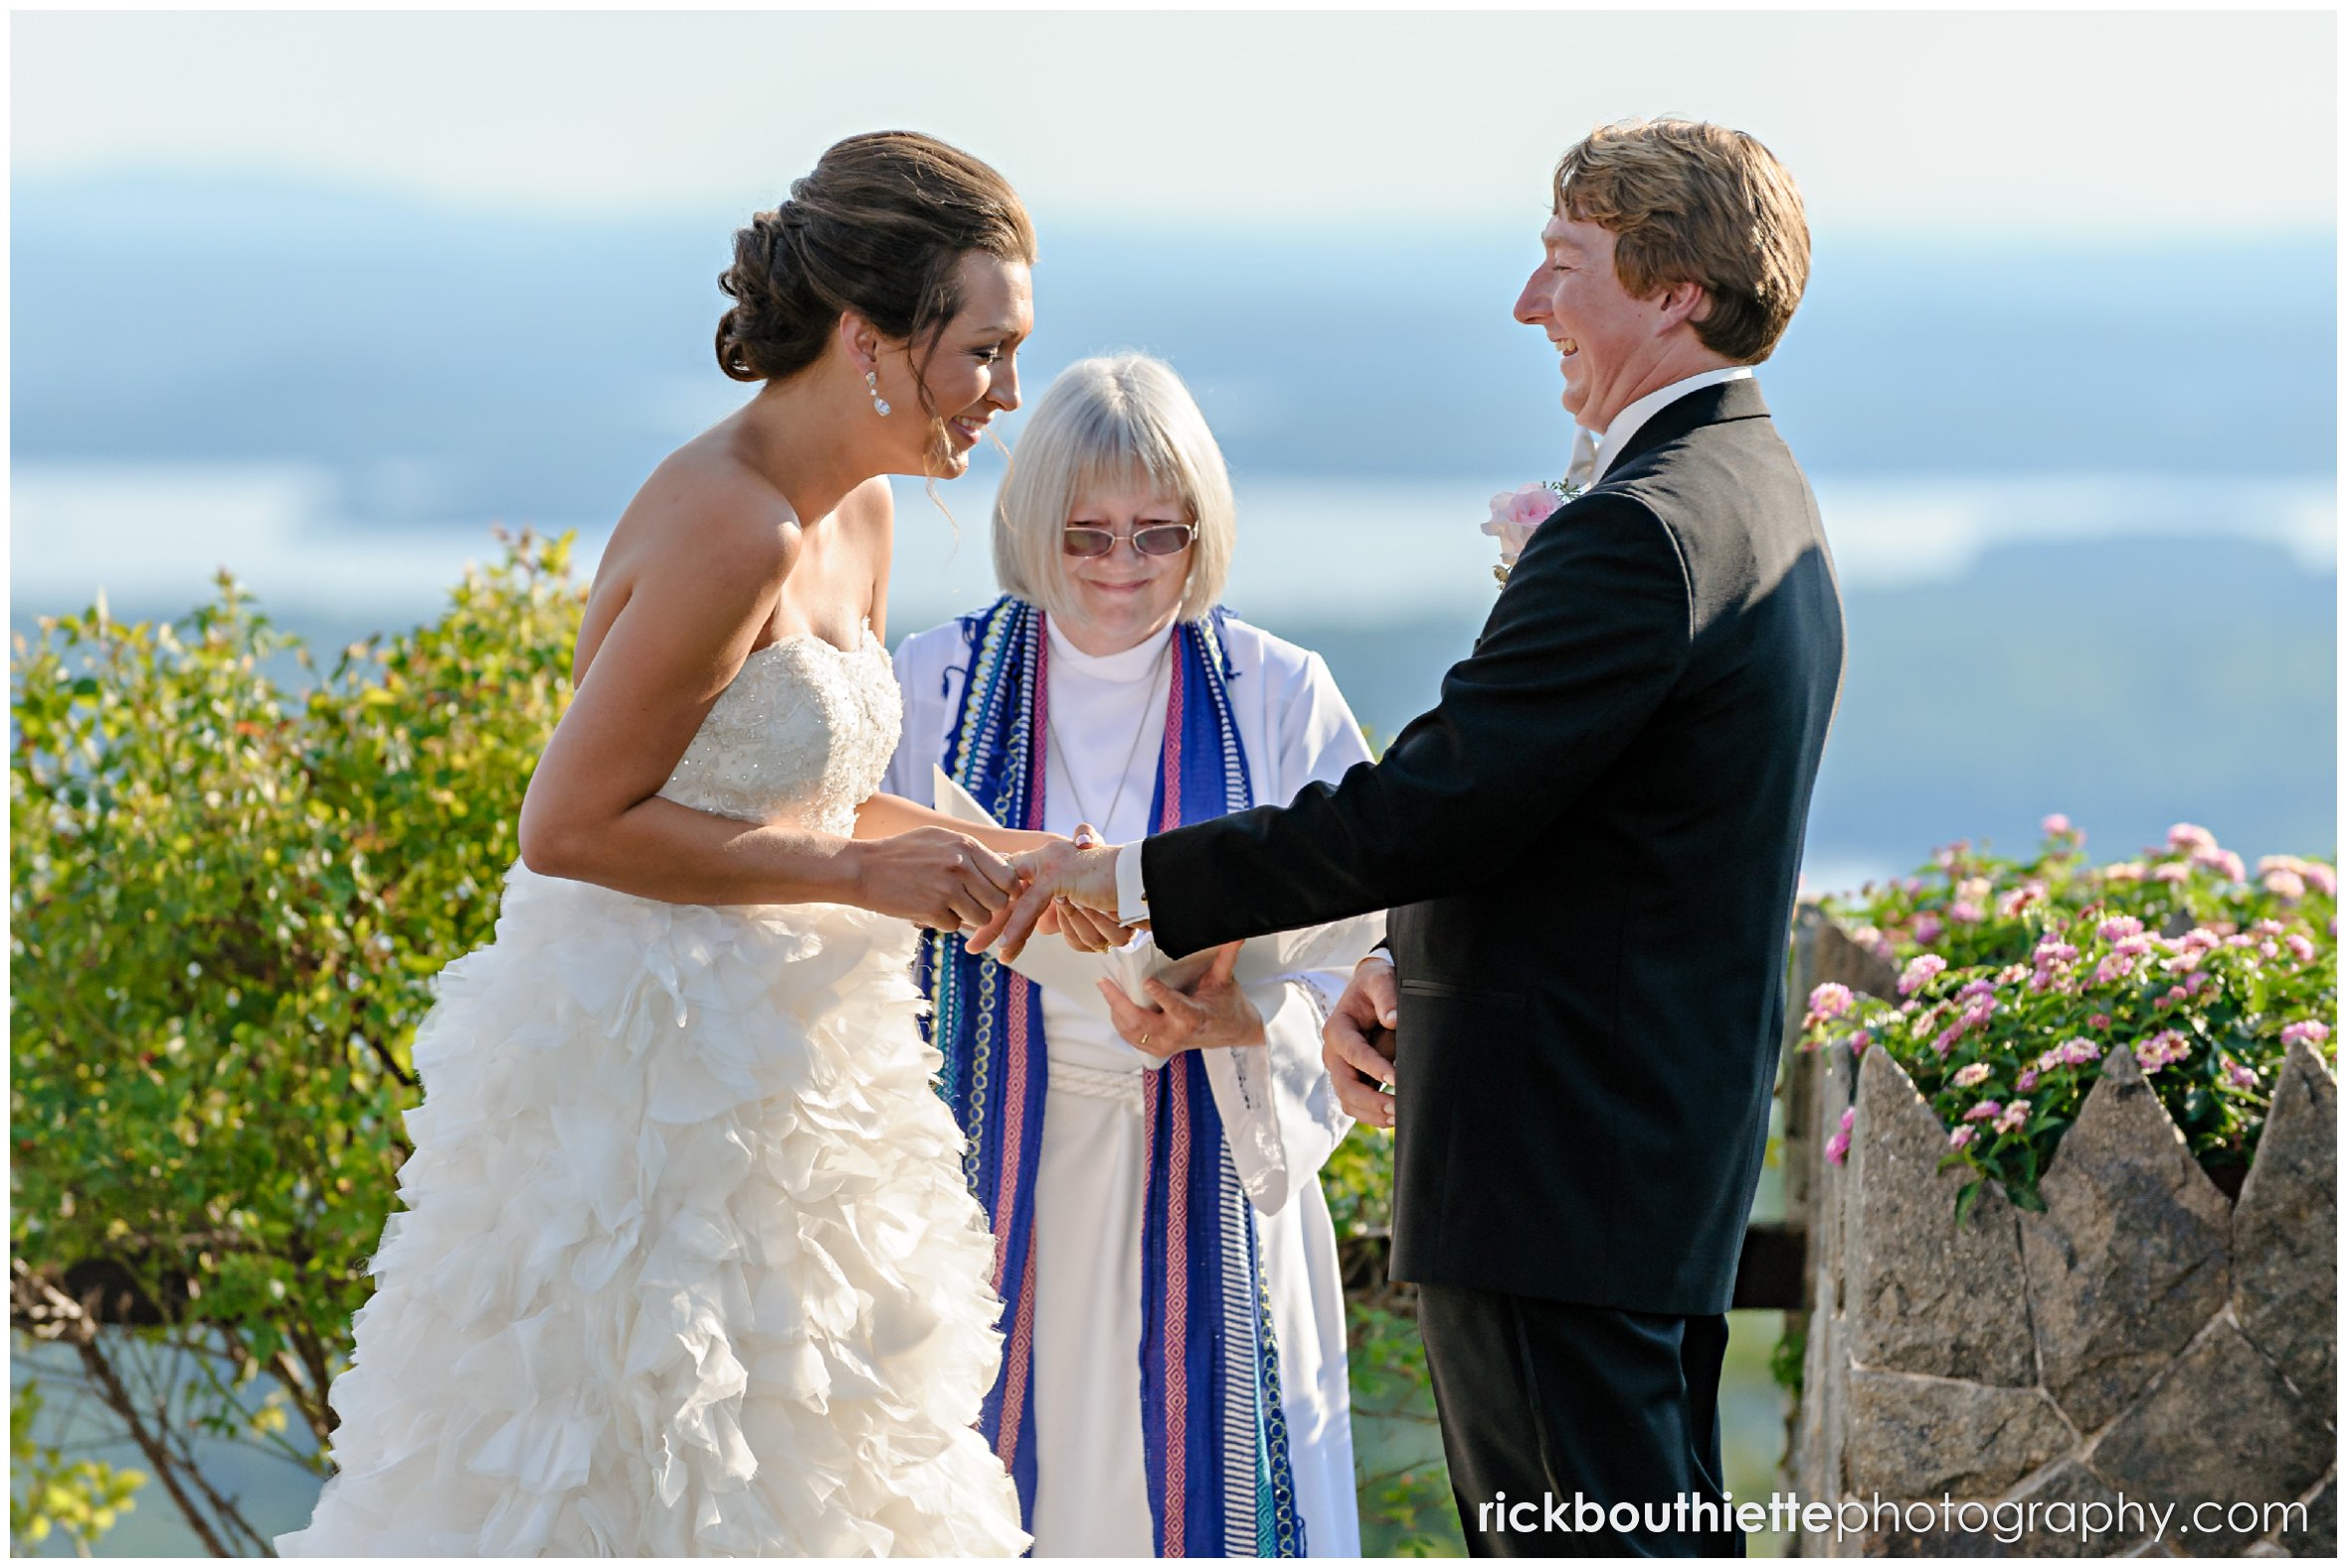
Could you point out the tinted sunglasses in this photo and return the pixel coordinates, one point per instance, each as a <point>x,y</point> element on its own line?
<point>1151,539</point>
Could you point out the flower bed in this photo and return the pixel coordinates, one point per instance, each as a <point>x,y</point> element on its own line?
<point>2062,1142</point>
<point>2017,979</point>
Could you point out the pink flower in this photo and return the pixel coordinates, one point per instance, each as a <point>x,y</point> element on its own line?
<point>1983,1110</point>
<point>2099,1020</point>
<point>2173,871</point>
<point>1928,928</point>
<point>2185,962</point>
<point>1829,1000</point>
<point>2015,1115</point>
<point>2021,898</point>
<point>2124,871</point>
<point>1967,1076</point>
<point>2027,1080</point>
<point>2300,947</point>
<point>2161,1050</point>
<point>1837,1146</point>
<point>1920,972</point>
<point>2227,862</point>
<point>1948,1038</point>
<point>2199,940</point>
<point>2185,837</point>
<point>1966,913</point>
<point>1514,517</point>
<point>2119,928</point>
<point>2311,1030</point>
<point>2241,1076</point>
<point>2116,966</point>
<point>1960,1136</point>
<point>2170,997</point>
<point>1978,1012</point>
<point>2324,879</point>
<point>1860,1041</point>
<point>2133,946</point>
<point>2070,1053</point>
<point>2287,885</point>
<point>2056,827</point>
<point>1976,989</point>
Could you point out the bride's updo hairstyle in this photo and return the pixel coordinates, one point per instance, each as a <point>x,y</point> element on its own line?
<point>878,229</point>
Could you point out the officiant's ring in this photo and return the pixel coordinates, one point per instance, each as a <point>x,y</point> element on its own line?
<point>1145,1039</point>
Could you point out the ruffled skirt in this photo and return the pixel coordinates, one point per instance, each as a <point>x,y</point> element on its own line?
<point>686,1266</point>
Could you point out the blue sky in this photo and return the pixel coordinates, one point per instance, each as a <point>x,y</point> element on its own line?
<point>2078,123</point>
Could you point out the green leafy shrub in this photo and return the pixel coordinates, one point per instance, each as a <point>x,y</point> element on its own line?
<point>228,901</point>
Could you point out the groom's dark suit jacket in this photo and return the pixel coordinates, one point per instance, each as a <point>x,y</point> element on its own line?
<point>1590,849</point>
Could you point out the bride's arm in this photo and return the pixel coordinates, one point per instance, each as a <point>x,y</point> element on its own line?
<point>704,584</point>
<point>884,816</point>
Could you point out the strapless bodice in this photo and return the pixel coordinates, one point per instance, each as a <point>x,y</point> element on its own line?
<point>802,736</point>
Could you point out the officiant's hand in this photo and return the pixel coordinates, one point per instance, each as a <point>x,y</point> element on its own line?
<point>1086,877</point>
<point>1357,1043</point>
<point>1212,1013</point>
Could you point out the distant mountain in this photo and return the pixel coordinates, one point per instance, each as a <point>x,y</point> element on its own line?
<point>2129,682</point>
<point>452,362</point>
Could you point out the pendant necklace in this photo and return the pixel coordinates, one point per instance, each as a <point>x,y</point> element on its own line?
<point>1067,760</point>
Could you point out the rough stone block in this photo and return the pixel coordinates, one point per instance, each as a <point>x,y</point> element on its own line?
<point>2224,1427</point>
<point>1926,1436</point>
<point>2321,1537</point>
<point>2131,1258</point>
<point>1926,1293</point>
<point>2285,1241</point>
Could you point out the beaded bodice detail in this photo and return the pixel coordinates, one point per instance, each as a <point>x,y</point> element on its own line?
<point>802,736</point>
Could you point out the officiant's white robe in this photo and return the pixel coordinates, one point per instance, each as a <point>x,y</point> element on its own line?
<point>1275,1100</point>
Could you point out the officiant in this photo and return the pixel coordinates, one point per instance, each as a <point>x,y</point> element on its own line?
<point>1174,1379</point>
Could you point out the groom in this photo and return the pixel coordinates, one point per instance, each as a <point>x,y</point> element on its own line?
<point>1589,848</point>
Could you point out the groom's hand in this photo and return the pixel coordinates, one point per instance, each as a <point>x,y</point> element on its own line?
<point>1085,877</point>
<point>1357,1043</point>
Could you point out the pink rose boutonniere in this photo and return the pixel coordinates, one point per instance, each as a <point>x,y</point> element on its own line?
<point>1514,516</point>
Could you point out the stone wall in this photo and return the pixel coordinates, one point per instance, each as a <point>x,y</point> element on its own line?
<point>2143,1337</point>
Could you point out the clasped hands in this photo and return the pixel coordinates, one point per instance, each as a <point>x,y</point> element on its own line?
<point>1071,887</point>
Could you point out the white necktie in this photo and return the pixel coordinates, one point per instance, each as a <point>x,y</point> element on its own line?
<point>1583,470</point>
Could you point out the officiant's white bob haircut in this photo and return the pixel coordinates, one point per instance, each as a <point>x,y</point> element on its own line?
<point>1114,423</point>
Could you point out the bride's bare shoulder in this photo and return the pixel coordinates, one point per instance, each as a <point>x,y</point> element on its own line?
<point>705,542</point>
<point>702,519</point>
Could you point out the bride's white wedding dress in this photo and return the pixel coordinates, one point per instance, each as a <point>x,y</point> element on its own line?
<point>686,1266</point>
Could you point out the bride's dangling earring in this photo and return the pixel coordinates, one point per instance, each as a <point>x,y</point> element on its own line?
<point>872,385</point>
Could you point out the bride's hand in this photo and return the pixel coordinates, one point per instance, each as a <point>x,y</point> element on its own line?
<point>933,877</point>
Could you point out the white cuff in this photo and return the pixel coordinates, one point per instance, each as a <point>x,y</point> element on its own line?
<point>1132,897</point>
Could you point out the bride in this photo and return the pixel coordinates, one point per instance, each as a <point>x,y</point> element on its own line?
<point>687,1266</point>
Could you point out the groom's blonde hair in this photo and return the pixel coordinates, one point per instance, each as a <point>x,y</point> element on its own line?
<point>1108,424</point>
<point>1695,203</point>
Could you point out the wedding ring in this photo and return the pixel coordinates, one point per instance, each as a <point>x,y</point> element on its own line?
<point>1145,1039</point>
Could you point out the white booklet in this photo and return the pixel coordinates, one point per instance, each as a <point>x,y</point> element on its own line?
<point>1050,963</point>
